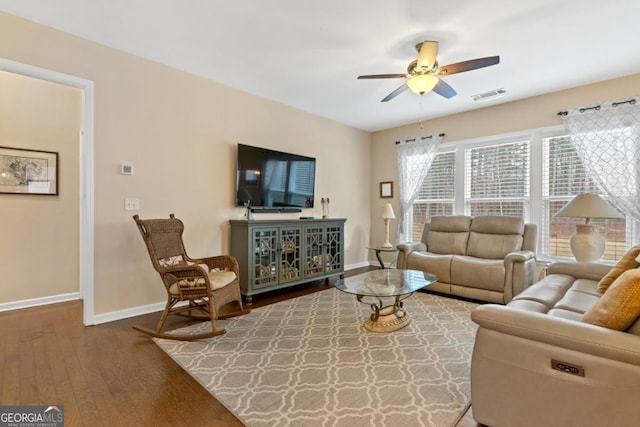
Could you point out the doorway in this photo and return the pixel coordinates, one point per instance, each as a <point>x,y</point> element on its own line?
<point>86,176</point>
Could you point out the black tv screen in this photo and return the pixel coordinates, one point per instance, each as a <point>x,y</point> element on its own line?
<point>274,179</point>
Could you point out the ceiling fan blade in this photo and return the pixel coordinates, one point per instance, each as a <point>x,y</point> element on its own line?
<point>472,64</point>
<point>427,55</point>
<point>443,89</point>
<point>383,76</point>
<point>395,93</point>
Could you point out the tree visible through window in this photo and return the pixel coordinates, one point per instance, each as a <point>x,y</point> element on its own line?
<point>497,179</point>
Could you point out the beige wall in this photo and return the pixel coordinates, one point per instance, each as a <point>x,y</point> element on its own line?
<point>179,132</point>
<point>39,250</point>
<point>527,114</point>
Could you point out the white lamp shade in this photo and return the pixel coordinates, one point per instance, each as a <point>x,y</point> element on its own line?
<point>422,83</point>
<point>387,212</point>
<point>588,206</point>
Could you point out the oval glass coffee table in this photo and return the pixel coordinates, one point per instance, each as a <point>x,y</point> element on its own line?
<point>374,287</point>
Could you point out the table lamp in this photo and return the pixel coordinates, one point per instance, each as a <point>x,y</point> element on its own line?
<point>587,245</point>
<point>387,214</point>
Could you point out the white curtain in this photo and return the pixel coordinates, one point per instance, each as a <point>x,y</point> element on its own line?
<point>414,160</point>
<point>607,139</point>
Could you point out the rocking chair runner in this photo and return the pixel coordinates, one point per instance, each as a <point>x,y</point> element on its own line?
<point>203,285</point>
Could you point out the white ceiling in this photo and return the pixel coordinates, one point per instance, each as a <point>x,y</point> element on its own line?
<point>307,54</point>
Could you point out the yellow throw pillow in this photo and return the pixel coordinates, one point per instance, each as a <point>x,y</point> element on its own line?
<point>619,307</point>
<point>627,261</point>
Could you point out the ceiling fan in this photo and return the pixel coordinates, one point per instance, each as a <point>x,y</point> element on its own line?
<point>424,73</point>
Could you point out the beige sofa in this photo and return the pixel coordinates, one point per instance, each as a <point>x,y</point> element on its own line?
<point>596,380</point>
<point>490,258</point>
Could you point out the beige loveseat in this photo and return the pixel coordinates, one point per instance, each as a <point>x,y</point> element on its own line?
<point>490,258</point>
<point>536,363</point>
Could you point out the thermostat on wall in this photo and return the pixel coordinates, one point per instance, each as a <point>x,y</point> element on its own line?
<point>126,169</point>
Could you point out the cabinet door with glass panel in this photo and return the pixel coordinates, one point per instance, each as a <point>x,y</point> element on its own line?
<point>264,262</point>
<point>276,256</point>
<point>324,249</point>
<point>290,254</point>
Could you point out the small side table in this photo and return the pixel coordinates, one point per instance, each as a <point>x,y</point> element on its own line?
<point>378,249</point>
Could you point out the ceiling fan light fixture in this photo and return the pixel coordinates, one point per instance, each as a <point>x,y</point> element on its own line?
<point>422,83</point>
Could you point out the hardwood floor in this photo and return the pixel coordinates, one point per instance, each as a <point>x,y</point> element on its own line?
<point>110,375</point>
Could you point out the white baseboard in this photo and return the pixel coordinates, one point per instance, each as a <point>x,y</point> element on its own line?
<point>151,308</point>
<point>35,302</point>
<point>359,265</point>
<point>112,316</point>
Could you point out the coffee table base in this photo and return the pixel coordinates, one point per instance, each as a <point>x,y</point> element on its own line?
<point>386,318</point>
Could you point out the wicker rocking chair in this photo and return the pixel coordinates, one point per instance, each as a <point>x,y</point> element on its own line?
<point>201,285</point>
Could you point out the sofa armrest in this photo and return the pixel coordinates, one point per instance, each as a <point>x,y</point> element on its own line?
<point>520,273</point>
<point>412,246</point>
<point>559,332</point>
<point>580,270</point>
<point>519,256</point>
<point>405,249</point>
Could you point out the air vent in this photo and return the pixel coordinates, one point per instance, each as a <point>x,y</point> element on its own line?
<point>487,96</point>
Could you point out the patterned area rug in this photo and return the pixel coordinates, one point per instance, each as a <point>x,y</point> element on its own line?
<point>309,361</point>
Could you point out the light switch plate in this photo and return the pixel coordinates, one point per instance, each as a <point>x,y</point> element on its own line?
<point>131,204</point>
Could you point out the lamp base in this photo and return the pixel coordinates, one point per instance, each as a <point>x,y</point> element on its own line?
<point>386,244</point>
<point>587,245</point>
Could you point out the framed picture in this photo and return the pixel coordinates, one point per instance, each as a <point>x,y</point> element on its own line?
<point>386,189</point>
<point>25,171</point>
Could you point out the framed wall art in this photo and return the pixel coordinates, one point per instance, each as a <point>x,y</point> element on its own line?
<point>386,190</point>
<point>24,171</point>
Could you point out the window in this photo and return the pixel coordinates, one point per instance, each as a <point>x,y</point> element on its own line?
<point>530,175</point>
<point>437,192</point>
<point>565,177</point>
<point>497,179</point>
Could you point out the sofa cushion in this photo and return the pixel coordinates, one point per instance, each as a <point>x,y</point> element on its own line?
<point>448,234</point>
<point>528,305</point>
<point>497,225</point>
<point>492,246</point>
<point>450,223</point>
<point>545,293</point>
<point>478,273</point>
<point>576,301</point>
<point>565,314</point>
<point>619,306</point>
<point>628,260</point>
<point>447,243</point>
<point>217,279</point>
<point>493,237</point>
<point>440,265</point>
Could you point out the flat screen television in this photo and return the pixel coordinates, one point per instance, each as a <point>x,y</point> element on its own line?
<point>269,179</point>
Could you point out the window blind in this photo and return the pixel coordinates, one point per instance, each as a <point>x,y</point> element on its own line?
<point>497,179</point>
<point>436,194</point>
